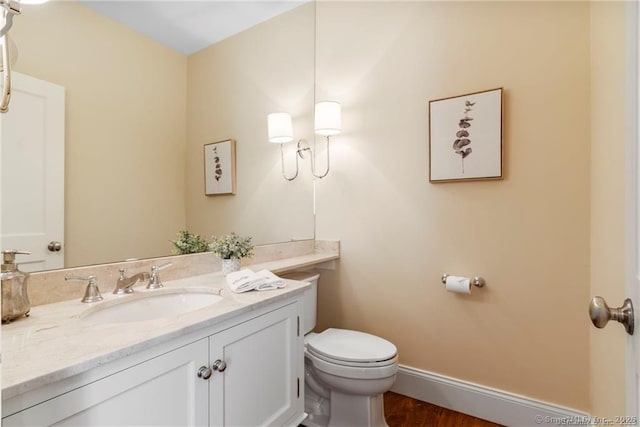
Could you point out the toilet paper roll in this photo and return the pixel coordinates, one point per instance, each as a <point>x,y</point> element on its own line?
<point>459,284</point>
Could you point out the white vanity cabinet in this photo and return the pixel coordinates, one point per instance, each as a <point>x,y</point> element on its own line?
<point>256,379</point>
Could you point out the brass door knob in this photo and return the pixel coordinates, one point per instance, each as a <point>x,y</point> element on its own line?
<point>601,313</point>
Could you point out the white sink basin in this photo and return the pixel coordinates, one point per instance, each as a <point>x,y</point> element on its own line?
<point>151,305</point>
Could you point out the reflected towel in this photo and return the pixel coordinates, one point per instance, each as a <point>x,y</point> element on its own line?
<point>246,280</point>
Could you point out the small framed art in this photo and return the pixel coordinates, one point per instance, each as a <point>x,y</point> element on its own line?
<point>220,168</point>
<point>465,137</point>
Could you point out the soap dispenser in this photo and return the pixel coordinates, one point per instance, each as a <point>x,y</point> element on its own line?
<point>15,301</point>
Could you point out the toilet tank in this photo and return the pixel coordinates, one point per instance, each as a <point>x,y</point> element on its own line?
<point>309,298</point>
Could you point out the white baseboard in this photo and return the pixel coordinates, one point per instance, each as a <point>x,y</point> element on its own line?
<point>482,402</point>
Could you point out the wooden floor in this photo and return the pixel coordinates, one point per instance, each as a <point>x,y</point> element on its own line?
<point>401,411</point>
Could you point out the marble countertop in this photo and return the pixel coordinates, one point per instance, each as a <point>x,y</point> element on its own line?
<point>54,343</point>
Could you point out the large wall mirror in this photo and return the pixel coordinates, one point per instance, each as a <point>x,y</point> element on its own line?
<point>138,115</point>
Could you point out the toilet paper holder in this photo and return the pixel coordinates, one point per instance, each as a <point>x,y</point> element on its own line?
<point>476,281</point>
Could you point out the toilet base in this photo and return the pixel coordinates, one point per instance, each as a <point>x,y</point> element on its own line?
<point>316,406</point>
<point>349,410</point>
<point>311,421</point>
<point>356,410</point>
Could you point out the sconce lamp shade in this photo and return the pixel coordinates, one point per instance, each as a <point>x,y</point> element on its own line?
<point>280,128</point>
<point>327,118</point>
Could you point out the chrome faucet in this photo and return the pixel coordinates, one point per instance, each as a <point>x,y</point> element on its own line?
<point>154,281</point>
<point>125,284</point>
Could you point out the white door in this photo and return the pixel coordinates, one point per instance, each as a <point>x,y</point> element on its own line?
<point>633,204</point>
<point>259,384</point>
<point>32,173</point>
<point>599,311</point>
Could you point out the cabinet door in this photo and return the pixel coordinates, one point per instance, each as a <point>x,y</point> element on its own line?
<point>259,385</point>
<point>163,391</point>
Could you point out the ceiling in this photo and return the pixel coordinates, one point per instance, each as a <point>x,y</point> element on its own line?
<point>190,25</point>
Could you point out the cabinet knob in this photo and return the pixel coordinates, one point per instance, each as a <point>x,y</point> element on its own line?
<point>219,365</point>
<point>204,373</point>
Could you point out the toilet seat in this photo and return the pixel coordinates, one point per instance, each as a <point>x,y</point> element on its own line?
<point>352,349</point>
<point>354,372</point>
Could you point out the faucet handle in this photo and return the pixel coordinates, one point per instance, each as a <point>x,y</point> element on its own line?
<point>154,281</point>
<point>92,293</point>
<point>14,251</point>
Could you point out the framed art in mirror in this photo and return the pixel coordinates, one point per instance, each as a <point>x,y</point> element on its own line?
<point>220,168</point>
<point>465,137</point>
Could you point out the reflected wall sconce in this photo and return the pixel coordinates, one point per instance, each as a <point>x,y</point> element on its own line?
<point>327,122</point>
<point>8,9</point>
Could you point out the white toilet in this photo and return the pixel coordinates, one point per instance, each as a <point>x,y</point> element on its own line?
<point>346,372</point>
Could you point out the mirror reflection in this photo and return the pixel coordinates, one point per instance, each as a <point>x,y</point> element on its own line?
<point>136,117</point>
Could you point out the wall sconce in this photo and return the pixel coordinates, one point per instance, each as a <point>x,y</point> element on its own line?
<point>327,122</point>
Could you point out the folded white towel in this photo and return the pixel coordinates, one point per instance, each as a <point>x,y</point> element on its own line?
<point>246,280</point>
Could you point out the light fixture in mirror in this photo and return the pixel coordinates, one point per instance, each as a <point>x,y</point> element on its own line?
<point>11,8</point>
<point>8,9</point>
<point>327,122</point>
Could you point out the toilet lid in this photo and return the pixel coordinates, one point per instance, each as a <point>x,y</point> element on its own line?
<point>351,346</point>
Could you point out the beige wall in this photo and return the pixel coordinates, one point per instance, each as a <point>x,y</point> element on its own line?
<point>232,86</point>
<point>527,332</point>
<point>607,201</point>
<point>125,129</point>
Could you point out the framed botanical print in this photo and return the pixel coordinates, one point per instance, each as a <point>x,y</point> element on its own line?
<point>465,137</point>
<point>220,168</point>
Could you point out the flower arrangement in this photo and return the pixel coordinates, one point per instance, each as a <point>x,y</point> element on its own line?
<point>232,246</point>
<point>189,243</point>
